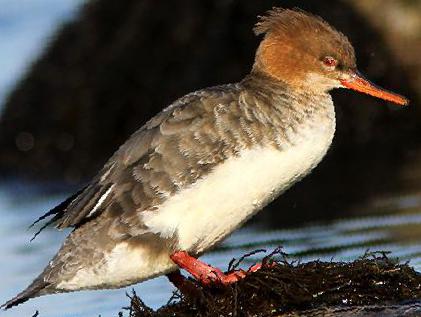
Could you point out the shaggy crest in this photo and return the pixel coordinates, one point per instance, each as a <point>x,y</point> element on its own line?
<point>287,21</point>
<point>307,32</point>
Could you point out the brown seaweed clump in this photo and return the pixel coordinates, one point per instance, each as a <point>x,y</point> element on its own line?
<point>373,285</point>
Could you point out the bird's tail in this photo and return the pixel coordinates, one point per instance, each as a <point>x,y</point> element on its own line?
<point>37,288</point>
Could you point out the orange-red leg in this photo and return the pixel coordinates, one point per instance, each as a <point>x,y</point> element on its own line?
<point>186,287</point>
<point>207,274</point>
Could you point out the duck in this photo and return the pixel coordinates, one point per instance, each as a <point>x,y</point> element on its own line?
<point>206,164</point>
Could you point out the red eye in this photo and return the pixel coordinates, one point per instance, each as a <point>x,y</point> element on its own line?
<point>330,62</point>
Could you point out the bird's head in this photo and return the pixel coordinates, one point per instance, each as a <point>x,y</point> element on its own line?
<point>305,52</point>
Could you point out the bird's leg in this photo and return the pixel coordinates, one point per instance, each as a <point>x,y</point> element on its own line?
<point>186,287</point>
<point>203,272</point>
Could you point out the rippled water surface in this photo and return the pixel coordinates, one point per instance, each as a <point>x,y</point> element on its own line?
<point>396,228</point>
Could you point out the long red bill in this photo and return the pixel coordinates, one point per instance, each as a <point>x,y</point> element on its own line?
<point>360,84</point>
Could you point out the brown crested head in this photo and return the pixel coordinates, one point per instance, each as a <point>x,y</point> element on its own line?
<point>299,46</point>
<point>305,52</point>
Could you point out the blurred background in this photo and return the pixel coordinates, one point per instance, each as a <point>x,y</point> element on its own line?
<point>78,77</point>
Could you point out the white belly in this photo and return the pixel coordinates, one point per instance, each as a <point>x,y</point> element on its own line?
<point>124,265</point>
<point>213,207</point>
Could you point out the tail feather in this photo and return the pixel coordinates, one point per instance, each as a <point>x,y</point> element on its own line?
<point>37,288</point>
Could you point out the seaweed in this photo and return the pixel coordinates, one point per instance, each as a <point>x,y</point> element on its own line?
<point>373,282</point>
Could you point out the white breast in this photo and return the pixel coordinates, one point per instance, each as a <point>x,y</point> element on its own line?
<point>213,207</point>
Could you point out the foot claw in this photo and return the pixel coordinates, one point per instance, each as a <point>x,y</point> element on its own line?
<point>258,266</point>
<point>217,277</point>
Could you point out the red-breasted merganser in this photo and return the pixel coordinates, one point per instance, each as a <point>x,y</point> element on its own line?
<point>204,165</point>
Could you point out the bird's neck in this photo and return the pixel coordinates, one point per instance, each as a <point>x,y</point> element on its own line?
<point>286,111</point>
<point>282,96</point>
